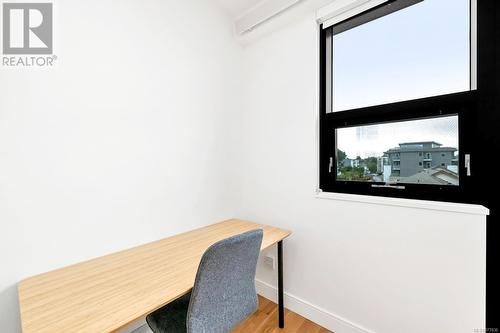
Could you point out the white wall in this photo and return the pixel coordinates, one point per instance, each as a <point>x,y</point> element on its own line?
<point>121,143</point>
<point>354,267</point>
<point>140,133</point>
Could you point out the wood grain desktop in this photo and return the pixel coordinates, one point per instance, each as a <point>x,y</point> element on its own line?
<point>105,294</point>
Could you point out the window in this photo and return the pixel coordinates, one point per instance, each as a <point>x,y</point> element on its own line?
<point>397,91</point>
<point>419,51</point>
<point>388,147</point>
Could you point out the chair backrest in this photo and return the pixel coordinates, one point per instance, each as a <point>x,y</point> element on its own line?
<point>224,290</point>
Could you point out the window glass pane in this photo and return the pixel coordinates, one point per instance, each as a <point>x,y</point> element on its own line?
<point>420,51</point>
<point>421,151</point>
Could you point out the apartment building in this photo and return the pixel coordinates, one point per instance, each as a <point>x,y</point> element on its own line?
<point>413,157</point>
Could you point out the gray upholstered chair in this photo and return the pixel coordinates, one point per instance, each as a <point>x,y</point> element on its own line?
<point>223,293</point>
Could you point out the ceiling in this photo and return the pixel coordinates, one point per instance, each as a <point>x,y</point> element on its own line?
<point>236,8</point>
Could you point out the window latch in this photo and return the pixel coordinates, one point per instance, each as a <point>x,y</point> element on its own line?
<point>467,164</point>
<point>330,165</point>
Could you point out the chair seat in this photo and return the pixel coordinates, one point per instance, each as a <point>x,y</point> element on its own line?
<point>171,318</point>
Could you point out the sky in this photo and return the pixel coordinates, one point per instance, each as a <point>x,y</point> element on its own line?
<point>419,51</point>
<point>374,140</point>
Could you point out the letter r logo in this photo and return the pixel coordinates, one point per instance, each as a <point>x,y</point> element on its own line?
<point>27,28</point>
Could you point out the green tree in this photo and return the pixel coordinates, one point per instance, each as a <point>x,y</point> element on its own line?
<point>350,173</point>
<point>371,164</point>
<point>341,155</point>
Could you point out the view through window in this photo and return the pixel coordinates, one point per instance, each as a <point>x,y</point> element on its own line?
<point>419,51</point>
<point>423,151</point>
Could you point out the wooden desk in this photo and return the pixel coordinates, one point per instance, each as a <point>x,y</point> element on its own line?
<point>108,293</point>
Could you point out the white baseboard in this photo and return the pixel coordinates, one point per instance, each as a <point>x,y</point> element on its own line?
<point>312,312</point>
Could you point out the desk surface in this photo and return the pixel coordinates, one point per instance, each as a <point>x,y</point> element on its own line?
<point>107,293</point>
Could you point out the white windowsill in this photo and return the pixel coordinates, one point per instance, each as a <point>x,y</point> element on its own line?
<point>410,203</point>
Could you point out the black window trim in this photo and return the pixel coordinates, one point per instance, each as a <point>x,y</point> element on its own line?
<point>463,104</point>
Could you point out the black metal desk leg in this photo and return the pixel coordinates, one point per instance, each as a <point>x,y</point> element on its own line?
<point>281,310</point>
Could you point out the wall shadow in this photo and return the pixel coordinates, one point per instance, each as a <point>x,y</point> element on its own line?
<point>9,310</point>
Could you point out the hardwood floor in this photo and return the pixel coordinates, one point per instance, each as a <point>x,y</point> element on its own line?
<point>265,320</point>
